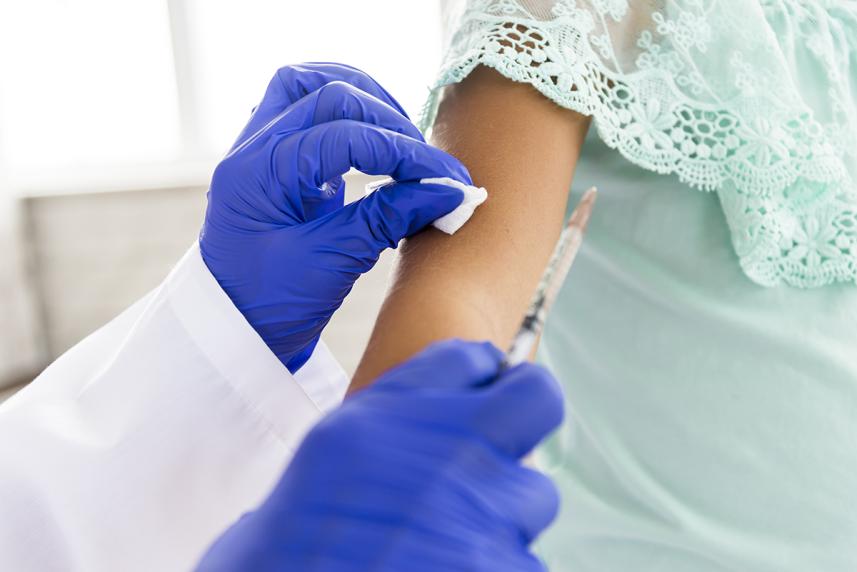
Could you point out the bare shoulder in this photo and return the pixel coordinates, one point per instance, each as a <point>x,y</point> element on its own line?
<point>476,284</point>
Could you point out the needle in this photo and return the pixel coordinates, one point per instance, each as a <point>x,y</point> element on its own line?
<point>552,280</point>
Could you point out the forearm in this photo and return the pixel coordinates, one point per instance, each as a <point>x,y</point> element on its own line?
<point>477,284</point>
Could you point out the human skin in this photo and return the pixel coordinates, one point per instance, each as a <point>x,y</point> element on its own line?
<point>476,285</point>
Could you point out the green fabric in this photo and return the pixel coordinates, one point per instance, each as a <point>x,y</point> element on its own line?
<point>712,405</point>
<point>756,100</point>
<point>711,423</point>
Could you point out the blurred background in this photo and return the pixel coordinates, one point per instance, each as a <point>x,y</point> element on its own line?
<point>113,115</point>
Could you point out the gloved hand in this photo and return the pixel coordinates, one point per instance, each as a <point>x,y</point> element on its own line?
<point>419,472</point>
<point>276,235</point>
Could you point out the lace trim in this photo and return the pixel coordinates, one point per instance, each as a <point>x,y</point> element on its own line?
<point>786,194</point>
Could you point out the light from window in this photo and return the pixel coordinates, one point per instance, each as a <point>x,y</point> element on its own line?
<point>87,82</point>
<point>93,82</point>
<point>239,45</point>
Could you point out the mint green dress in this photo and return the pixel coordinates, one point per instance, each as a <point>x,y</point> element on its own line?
<point>707,335</point>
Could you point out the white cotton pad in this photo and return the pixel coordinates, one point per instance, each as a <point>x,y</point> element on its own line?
<point>473,197</point>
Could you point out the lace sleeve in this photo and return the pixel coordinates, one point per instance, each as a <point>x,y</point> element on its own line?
<point>748,98</point>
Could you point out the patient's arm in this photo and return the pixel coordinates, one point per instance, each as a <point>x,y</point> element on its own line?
<point>476,285</point>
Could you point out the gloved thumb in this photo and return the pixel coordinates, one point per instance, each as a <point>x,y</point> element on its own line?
<point>525,405</point>
<point>401,209</point>
<point>389,214</point>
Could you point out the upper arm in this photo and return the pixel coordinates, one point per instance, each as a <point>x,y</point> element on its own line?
<point>476,284</point>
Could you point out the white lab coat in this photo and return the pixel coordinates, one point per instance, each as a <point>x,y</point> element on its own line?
<point>136,448</point>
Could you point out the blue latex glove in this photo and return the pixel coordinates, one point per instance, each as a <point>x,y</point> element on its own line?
<point>277,237</point>
<point>419,472</point>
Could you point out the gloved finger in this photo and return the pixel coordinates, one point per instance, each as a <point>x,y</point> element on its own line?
<point>331,102</point>
<point>523,406</point>
<point>525,498</point>
<point>340,100</point>
<point>328,150</point>
<point>293,82</point>
<point>301,79</point>
<point>447,364</point>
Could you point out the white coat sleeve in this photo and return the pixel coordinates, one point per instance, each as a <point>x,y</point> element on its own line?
<point>136,448</point>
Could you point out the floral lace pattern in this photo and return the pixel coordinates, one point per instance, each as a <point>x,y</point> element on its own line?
<point>706,90</point>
